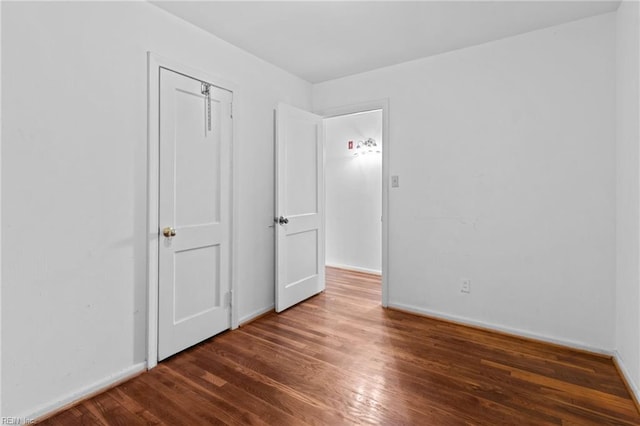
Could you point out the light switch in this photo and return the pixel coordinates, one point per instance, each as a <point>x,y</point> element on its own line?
<point>395,181</point>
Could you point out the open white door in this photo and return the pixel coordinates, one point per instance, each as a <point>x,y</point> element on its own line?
<point>299,206</point>
<point>195,212</point>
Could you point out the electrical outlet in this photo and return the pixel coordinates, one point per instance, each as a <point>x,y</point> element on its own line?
<point>466,286</point>
<point>395,181</point>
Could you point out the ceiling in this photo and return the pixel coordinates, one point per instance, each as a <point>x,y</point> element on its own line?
<point>324,40</point>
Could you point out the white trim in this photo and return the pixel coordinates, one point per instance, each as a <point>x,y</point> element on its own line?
<point>633,386</point>
<point>500,328</point>
<point>256,313</point>
<point>380,104</point>
<point>83,393</point>
<point>0,225</point>
<point>235,202</point>
<point>154,62</point>
<point>355,268</point>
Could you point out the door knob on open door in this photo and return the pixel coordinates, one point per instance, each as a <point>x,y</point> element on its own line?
<point>169,232</point>
<point>283,220</point>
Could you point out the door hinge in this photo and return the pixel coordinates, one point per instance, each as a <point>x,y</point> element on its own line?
<point>228,299</point>
<point>231,109</point>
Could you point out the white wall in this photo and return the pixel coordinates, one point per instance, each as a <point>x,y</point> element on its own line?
<point>1,126</point>
<point>628,191</point>
<point>74,186</point>
<point>353,193</point>
<point>506,158</point>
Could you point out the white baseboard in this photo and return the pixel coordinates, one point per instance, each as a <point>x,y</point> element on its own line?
<point>631,384</point>
<point>355,268</point>
<point>247,318</point>
<point>503,329</point>
<point>85,392</point>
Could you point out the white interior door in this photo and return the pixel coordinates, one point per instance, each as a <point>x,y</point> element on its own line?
<point>194,217</point>
<point>299,206</point>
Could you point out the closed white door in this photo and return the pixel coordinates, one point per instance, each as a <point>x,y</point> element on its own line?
<point>299,206</point>
<point>195,207</point>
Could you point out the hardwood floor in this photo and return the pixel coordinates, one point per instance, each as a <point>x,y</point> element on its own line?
<point>339,358</point>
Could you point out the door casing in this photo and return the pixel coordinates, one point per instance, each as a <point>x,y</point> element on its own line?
<point>380,104</point>
<point>154,63</point>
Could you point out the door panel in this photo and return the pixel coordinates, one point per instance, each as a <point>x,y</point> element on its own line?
<point>305,266</point>
<point>300,203</point>
<point>198,273</point>
<point>197,161</point>
<point>195,200</point>
<point>301,178</point>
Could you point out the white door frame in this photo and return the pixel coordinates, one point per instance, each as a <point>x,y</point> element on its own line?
<point>381,104</point>
<point>154,63</point>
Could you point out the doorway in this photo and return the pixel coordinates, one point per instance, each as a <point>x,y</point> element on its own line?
<point>381,105</point>
<point>306,130</point>
<point>353,191</point>
<point>190,208</point>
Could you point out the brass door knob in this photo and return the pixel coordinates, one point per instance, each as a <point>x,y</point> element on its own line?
<point>169,232</point>
<point>283,220</point>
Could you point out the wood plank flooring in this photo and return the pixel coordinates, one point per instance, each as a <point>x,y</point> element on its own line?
<point>339,358</point>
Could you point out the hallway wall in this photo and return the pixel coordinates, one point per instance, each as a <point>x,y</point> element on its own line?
<point>353,188</point>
